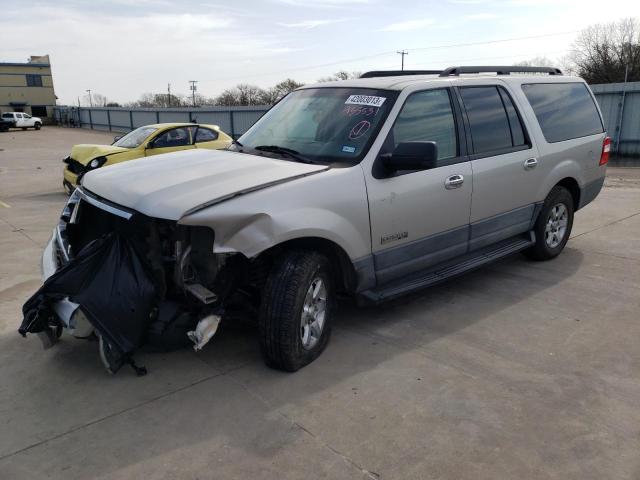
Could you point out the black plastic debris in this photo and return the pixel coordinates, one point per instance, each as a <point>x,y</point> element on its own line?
<point>168,331</point>
<point>116,291</point>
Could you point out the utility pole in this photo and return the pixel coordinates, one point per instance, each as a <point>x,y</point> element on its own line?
<point>90,101</point>
<point>403,53</point>
<point>621,107</point>
<point>193,88</point>
<point>168,95</point>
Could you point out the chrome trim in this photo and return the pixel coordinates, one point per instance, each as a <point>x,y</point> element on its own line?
<point>48,263</point>
<point>61,244</point>
<point>103,205</point>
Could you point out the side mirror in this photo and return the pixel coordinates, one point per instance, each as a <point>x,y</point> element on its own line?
<point>412,156</point>
<point>116,138</point>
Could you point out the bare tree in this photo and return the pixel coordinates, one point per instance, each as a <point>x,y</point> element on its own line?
<point>275,93</point>
<point>99,100</point>
<point>341,75</point>
<point>242,94</point>
<point>159,100</point>
<point>602,52</point>
<point>537,62</point>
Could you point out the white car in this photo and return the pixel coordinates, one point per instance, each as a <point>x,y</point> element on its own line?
<point>21,120</point>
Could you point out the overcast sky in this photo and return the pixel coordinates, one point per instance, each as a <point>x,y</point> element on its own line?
<point>123,48</point>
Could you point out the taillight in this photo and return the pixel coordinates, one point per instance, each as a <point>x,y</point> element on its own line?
<point>606,148</point>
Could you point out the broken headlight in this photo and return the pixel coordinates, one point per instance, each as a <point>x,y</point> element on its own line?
<point>96,163</point>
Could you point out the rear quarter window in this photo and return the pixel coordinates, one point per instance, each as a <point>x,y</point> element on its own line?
<point>564,110</point>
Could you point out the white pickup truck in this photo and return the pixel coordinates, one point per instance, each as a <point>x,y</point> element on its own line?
<point>19,120</point>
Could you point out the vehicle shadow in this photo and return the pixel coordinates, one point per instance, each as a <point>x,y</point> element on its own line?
<point>362,339</point>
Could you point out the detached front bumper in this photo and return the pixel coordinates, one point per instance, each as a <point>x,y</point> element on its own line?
<point>73,320</point>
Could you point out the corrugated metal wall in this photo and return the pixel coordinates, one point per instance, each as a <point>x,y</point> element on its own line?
<point>233,120</point>
<point>620,105</point>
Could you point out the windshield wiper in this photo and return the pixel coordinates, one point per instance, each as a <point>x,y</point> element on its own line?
<point>284,151</point>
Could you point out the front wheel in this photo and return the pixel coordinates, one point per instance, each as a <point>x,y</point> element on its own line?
<point>37,126</point>
<point>553,225</point>
<point>296,310</point>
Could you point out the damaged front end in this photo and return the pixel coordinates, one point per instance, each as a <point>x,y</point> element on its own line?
<point>130,280</point>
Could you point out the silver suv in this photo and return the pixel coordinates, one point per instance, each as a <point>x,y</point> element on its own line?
<point>372,187</point>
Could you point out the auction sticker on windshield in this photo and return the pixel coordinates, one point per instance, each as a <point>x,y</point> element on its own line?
<point>369,100</point>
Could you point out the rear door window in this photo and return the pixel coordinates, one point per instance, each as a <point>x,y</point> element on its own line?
<point>517,131</point>
<point>488,120</point>
<point>564,110</point>
<point>206,135</point>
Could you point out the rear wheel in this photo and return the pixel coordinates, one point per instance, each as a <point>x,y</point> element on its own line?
<point>296,310</point>
<point>553,225</point>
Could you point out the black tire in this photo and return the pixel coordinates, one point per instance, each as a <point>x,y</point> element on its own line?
<point>281,309</point>
<point>542,250</point>
<point>37,126</point>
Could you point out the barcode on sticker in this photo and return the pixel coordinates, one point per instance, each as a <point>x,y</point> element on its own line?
<point>369,100</point>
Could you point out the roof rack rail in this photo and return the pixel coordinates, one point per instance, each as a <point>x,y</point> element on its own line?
<point>398,73</point>
<point>455,71</point>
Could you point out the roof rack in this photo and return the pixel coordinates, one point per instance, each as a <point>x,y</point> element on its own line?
<point>398,73</point>
<point>455,71</point>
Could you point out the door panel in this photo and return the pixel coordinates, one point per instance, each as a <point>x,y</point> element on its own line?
<point>505,166</point>
<point>417,219</point>
<point>172,140</point>
<point>416,222</point>
<point>503,183</point>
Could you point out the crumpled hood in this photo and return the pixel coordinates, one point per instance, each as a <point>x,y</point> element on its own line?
<point>84,153</point>
<point>171,185</point>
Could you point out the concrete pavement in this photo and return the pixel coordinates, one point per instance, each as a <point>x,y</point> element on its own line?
<point>518,370</point>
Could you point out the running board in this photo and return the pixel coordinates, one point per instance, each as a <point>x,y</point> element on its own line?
<point>447,270</point>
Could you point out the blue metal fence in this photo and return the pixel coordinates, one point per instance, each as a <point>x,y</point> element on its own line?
<point>620,105</point>
<point>232,120</point>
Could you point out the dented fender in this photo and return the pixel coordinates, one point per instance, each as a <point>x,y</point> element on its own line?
<point>303,208</point>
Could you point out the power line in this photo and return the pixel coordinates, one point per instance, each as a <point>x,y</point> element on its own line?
<point>381,54</point>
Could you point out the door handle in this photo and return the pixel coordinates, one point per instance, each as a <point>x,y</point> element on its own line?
<point>454,181</point>
<point>530,163</point>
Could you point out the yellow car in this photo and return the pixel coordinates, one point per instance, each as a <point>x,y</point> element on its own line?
<point>141,142</point>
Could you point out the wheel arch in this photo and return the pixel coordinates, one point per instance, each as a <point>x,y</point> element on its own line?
<point>572,185</point>
<point>344,273</point>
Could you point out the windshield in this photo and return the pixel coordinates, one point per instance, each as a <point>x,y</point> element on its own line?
<point>323,124</point>
<point>135,138</point>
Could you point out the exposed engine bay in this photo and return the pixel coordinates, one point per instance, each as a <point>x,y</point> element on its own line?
<point>132,281</point>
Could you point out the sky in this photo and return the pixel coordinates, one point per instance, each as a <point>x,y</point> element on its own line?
<point>123,48</point>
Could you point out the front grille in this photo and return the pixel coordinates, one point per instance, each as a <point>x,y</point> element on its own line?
<point>75,166</point>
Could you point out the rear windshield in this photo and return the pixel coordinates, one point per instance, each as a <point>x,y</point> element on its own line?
<point>7,115</point>
<point>564,110</point>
